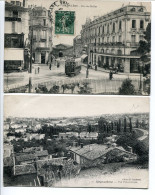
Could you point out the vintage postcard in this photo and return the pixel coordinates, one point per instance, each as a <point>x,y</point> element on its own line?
<point>77,47</point>
<point>104,143</point>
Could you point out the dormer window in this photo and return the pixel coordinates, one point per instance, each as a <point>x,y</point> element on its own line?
<point>140,10</point>
<point>133,9</point>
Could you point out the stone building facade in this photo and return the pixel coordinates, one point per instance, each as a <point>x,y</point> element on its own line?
<point>77,46</point>
<point>16,34</point>
<point>112,38</point>
<point>41,30</point>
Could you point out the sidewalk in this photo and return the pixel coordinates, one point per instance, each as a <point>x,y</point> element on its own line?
<point>119,73</point>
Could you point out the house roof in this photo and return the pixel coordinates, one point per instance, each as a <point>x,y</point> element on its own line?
<point>41,153</point>
<point>25,169</point>
<point>26,157</point>
<point>62,45</point>
<point>94,151</point>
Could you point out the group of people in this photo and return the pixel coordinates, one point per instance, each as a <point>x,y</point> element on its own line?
<point>90,66</point>
<point>53,61</point>
<point>37,70</point>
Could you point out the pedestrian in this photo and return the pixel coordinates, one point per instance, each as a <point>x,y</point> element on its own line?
<point>58,64</point>
<point>96,67</point>
<point>50,66</point>
<point>110,75</point>
<point>38,69</point>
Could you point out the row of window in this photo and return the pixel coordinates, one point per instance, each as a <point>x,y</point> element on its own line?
<point>102,29</point>
<point>14,41</point>
<point>113,40</point>
<point>18,3</point>
<point>39,13</point>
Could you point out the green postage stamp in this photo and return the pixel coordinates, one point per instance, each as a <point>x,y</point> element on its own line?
<point>64,22</point>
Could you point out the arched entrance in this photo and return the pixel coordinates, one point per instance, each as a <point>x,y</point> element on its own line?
<point>60,54</point>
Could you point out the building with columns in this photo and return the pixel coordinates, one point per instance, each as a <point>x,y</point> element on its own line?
<point>111,40</point>
<point>41,25</point>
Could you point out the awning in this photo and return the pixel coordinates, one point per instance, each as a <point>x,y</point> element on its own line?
<point>84,56</point>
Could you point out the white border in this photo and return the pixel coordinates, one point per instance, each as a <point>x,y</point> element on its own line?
<point>40,191</point>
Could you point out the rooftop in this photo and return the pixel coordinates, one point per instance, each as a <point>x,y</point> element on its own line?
<point>24,169</point>
<point>93,151</point>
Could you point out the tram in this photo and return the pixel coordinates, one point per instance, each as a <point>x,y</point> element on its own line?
<point>72,66</point>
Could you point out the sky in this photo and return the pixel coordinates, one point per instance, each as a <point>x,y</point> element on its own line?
<point>42,106</point>
<point>84,9</point>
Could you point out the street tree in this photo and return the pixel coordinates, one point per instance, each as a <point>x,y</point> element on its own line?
<point>127,88</point>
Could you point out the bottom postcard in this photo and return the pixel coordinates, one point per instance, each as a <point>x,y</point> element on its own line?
<point>76,141</point>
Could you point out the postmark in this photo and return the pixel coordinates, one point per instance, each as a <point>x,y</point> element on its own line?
<point>64,22</point>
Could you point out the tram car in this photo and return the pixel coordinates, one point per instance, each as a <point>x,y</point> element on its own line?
<point>72,66</point>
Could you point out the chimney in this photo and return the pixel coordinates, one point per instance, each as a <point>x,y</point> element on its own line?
<point>90,148</point>
<point>81,145</point>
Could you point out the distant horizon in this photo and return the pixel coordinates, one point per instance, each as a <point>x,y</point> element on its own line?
<point>79,116</point>
<point>72,106</point>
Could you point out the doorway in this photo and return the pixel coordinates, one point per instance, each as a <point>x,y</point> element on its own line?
<point>43,58</point>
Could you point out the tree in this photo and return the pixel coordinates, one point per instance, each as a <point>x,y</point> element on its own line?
<point>137,123</point>
<point>127,88</point>
<point>130,125</point>
<point>144,50</point>
<point>89,127</point>
<point>102,125</point>
<point>124,124</point>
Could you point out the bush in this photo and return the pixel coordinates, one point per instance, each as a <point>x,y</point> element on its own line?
<point>127,88</point>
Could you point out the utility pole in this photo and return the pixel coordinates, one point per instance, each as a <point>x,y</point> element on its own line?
<point>30,68</point>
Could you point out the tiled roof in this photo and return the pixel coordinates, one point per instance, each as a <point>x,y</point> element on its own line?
<point>24,169</point>
<point>30,156</point>
<point>94,151</point>
<point>41,153</point>
<point>25,157</point>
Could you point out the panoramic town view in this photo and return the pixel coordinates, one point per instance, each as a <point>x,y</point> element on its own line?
<point>100,145</point>
<point>77,47</point>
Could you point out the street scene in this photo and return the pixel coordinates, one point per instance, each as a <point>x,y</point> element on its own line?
<point>102,144</point>
<point>50,49</point>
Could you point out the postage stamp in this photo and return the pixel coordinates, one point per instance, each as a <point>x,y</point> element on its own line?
<point>64,22</point>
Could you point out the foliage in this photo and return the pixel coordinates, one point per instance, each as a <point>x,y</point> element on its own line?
<point>127,88</point>
<point>84,88</point>
<point>145,45</point>
<point>139,147</point>
<point>54,89</point>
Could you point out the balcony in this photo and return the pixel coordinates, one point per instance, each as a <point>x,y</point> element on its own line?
<point>11,19</point>
<point>135,44</point>
<point>42,39</point>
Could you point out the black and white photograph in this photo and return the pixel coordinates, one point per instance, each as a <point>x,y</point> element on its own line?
<point>76,141</point>
<point>77,47</point>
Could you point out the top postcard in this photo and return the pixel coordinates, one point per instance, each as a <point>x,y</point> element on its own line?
<point>77,47</point>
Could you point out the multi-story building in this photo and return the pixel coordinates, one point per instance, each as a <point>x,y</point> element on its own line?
<point>41,30</point>
<point>111,40</point>
<point>16,34</point>
<point>77,46</point>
